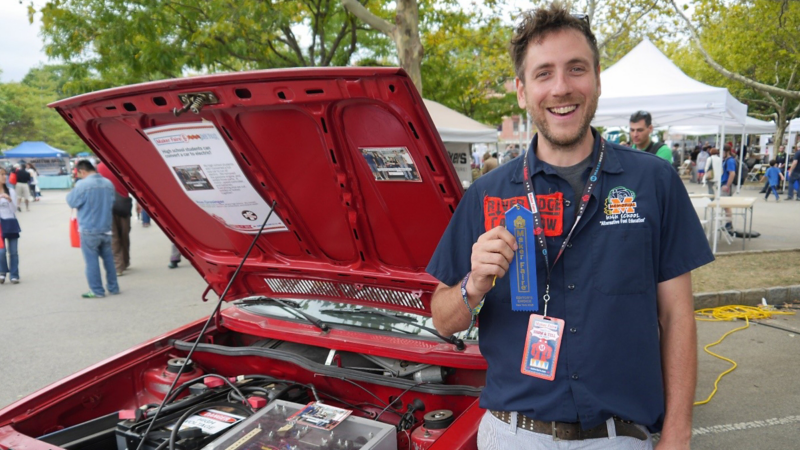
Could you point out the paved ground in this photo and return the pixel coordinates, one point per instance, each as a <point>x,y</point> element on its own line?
<point>48,332</point>
<point>777,222</point>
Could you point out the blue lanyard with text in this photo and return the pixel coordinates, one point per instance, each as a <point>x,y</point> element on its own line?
<point>538,230</point>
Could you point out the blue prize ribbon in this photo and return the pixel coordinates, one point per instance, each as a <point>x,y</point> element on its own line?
<point>522,270</point>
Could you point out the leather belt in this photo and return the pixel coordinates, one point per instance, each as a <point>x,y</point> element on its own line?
<point>572,431</point>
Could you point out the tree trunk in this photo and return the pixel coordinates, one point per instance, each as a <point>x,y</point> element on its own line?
<point>404,33</point>
<point>409,45</point>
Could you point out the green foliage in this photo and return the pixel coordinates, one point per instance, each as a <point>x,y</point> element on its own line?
<point>466,65</point>
<point>116,42</point>
<point>24,115</point>
<point>620,25</point>
<point>759,39</point>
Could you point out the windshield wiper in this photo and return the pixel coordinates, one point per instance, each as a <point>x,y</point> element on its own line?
<point>289,305</point>
<point>450,340</point>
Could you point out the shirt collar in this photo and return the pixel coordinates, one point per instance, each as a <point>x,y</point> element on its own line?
<point>611,164</point>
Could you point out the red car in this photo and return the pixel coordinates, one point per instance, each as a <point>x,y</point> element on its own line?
<point>331,302</point>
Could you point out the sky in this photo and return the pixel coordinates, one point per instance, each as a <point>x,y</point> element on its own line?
<point>25,49</point>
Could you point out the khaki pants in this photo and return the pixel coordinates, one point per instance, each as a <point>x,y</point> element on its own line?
<point>121,242</point>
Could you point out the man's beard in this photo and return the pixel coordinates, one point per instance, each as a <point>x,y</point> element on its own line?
<point>570,140</point>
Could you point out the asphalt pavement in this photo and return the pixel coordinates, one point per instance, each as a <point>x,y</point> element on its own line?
<point>777,222</point>
<point>48,331</point>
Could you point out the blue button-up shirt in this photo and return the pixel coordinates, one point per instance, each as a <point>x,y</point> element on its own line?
<point>639,229</point>
<point>93,196</point>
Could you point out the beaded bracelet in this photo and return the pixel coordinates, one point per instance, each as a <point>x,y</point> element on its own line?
<point>477,309</point>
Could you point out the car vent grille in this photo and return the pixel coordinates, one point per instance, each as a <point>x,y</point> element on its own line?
<point>349,290</point>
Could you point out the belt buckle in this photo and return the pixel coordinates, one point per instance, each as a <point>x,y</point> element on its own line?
<point>555,436</point>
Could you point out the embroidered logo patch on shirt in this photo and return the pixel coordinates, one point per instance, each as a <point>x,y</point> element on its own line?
<point>551,207</point>
<point>620,207</point>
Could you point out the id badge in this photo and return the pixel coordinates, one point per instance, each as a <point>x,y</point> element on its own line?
<point>522,270</point>
<point>542,345</point>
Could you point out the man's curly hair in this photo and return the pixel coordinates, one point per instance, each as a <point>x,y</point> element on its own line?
<point>537,24</point>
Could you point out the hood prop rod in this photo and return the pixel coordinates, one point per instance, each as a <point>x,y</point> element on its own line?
<point>213,316</point>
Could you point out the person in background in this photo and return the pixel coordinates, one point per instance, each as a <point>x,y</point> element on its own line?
<point>34,184</point>
<point>773,177</point>
<point>93,197</point>
<point>641,124</point>
<point>145,217</point>
<point>693,158</point>
<point>727,178</point>
<point>489,163</point>
<point>676,157</point>
<point>9,230</point>
<point>713,169</point>
<point>121,221</point>
<point>23,187</point>
<point>794,175</point>
<point>702,159</point>
<point>174,257</point>
<point>781,157</point>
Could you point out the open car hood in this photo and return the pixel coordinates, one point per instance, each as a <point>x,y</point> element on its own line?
<point>312,141</point>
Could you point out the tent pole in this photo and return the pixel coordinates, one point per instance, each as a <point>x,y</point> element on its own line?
<point>785,168</point>
<point>741,160</point>
<point>717,209</point>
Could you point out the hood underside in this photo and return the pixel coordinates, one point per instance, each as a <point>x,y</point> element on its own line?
<point>362,184</point>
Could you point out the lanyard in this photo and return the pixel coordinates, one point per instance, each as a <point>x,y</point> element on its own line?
<point>538,230</point>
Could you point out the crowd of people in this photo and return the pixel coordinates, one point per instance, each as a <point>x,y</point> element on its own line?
<point>17,186</point>
<point>104,209</point>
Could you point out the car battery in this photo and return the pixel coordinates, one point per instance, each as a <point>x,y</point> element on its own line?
<point>210,423</point>
<point>272,428</point>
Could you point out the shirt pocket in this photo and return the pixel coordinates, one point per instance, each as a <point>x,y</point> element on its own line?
<point>621,262</point>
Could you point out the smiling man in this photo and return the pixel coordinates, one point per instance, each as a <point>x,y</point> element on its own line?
<point>585,311</point>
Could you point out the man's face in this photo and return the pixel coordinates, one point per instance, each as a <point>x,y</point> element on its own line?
<point>561,87</point>
<point>782,149</point>
<point>640,133</point>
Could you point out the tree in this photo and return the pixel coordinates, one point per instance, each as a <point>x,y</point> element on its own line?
<point>467,67</point>
<point>752,48</point>
<point>404,33</point>
<point>620,25</point>
<point>24,115</point>
<point>127,41</point>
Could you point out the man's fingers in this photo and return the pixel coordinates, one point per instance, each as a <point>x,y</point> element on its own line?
<point>497,247</point>
<point>507,237</point>
<point>493,259</point>
<point>501,234</point>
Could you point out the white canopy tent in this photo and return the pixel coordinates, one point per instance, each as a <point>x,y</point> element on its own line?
<point>751,126</point>
<point>458,132</point>
<point>794,126</point>
<point>645,79</point>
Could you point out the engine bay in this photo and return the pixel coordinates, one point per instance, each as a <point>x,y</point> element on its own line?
<point>255,387</point>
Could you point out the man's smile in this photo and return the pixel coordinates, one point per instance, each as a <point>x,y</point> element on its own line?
<point>562,110</point>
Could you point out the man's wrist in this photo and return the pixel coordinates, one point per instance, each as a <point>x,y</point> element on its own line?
<point>474,296</point>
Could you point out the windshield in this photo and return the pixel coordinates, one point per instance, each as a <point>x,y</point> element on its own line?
<point>343,314</point>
